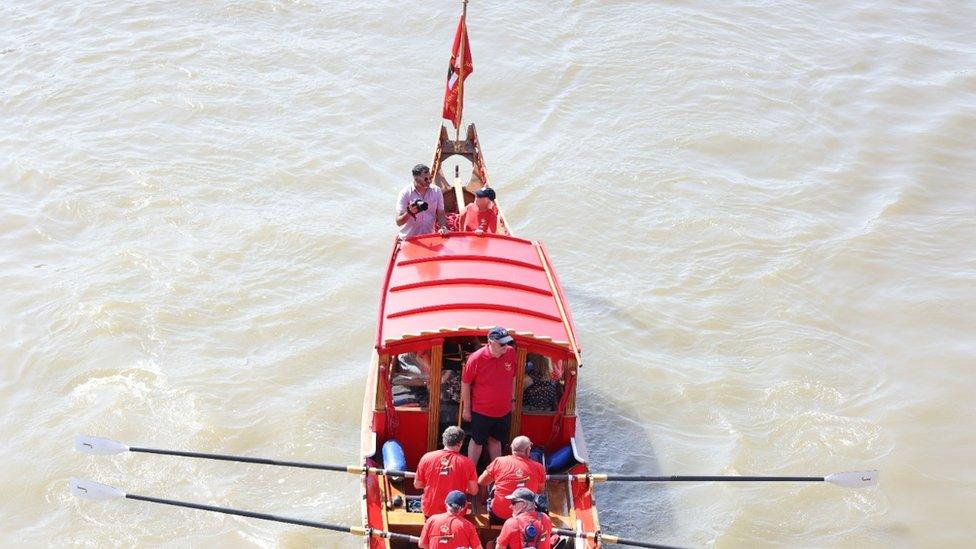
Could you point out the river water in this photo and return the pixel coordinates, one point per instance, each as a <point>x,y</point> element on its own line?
<point>763,214</point>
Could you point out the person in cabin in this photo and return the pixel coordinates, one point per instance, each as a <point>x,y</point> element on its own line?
<point>411,373</point>
<point>486,393</point>
<point>527,527</point>
<point>441,471</point>
<point>509,473</point>
<point>481,216</point>
<point>420,206</point>
<point>540,393</point>
<point>450,530</point>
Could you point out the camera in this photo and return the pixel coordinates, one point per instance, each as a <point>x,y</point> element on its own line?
<point>420,205</point>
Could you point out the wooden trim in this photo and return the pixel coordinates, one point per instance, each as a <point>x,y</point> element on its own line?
<point>382,378</point>
<point>383,294</point>
<point>434,396</point>
<point>477,162</point>
<point>516,426</point>
<point>562,299</point>
<point>571,505</point>
<point>537,343</point>
<point>572,369</point>
<point>437,160</point>
<point>367,436</point>
<point>559,303</point>
<point>459,197</point>
<point>384,497</point>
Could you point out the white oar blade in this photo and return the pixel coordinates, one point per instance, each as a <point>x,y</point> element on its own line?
<point>86,489</point>
<point>854,479</point>
<point>99,446</point>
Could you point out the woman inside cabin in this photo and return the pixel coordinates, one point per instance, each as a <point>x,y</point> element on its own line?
<point>540,392</point>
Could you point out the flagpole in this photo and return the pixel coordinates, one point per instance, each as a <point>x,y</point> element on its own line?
<point>460,102</point>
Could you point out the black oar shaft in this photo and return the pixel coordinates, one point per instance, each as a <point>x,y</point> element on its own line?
<point>275,518</point>
<point>242,459</point>
<point>610,539</point>
<point>265,461</point>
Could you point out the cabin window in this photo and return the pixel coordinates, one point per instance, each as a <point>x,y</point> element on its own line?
<point>543,385</point>
<point>456,351</point>
<point>409,380</point>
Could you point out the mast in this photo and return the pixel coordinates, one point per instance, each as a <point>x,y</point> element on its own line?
<point>460,100</point>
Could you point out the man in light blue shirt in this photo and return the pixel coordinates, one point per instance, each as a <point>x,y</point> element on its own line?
<point>411,215</point>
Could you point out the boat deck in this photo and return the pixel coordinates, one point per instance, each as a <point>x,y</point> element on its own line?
<point>560,509</point>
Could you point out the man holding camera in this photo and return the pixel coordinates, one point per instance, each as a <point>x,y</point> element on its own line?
<point>420,205</point>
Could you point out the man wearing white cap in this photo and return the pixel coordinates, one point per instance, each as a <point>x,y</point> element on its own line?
<point>527,528</point>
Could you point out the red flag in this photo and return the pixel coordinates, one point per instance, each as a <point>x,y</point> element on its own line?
<point>456,73</point>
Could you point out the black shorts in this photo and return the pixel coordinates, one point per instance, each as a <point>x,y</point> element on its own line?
<point>483,427</point>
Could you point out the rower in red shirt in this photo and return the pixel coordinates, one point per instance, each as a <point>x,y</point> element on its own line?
<point>527,528</point>
<point>450,530</point>
<point>481,216</point>
<point>441,471</point>
<point>510,473</point>
<point>486,393</point>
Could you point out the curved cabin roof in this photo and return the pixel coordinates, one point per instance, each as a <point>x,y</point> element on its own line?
<point>464,283</point>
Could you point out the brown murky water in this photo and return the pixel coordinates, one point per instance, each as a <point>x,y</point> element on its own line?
<point>763,214</point>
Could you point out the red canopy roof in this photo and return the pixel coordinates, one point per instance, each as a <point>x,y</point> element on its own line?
<point>462,283</point>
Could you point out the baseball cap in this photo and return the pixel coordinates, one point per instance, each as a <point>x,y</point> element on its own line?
<point>456,499</point>
<point>500,335</point>
<point>523,494</point>
<point>487,191</point>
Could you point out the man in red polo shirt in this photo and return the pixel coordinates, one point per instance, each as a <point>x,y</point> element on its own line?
<point>450,530</point>
<point>510,473</point>
<point>481,216</point>
<point>527,528</point>
<point>441,471</point>
<point>486,393</point>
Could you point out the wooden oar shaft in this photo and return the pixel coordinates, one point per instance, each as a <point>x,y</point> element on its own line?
<point>277,518</point>
<point>680,478</point>
<point>611,539</point>
<point>354,469</point>
<point>707,478</point>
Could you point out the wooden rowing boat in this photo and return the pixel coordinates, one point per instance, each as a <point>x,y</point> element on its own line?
<point>440,296</point>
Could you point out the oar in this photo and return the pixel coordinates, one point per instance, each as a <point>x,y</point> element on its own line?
<point>608,538</point>
<point>851,479</point>
<point>94,491</point>
<point>104,446</point>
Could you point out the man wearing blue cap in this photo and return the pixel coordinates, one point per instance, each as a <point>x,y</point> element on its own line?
<point>450,530</point>
<point>486,393</point>
<point>481,216</point>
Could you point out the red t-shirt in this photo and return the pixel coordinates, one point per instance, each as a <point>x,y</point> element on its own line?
<point>511,534</point>
<point>442,471</point>
<point>491,381</point>
<point>449,531</point>
<point>509,473</point>
<point>473,217</point>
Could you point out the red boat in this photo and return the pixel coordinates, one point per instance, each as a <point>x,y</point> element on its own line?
<point>440,296</point>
